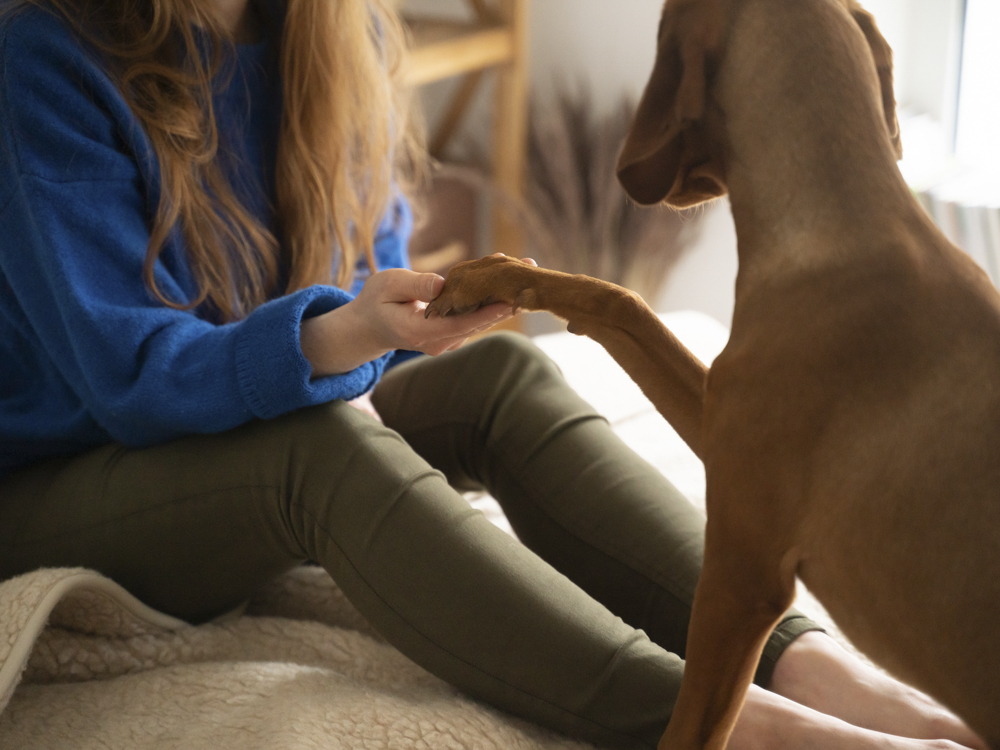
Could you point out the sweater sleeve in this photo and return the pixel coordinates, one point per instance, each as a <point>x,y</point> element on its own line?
<point>75,196</point>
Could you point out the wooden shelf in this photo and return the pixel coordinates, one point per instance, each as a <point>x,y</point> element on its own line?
<point>442,49</point>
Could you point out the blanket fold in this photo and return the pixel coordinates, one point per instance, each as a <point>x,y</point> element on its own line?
<point>86,665</point>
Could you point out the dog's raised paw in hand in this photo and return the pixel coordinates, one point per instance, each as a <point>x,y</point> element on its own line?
<point>477,283</point>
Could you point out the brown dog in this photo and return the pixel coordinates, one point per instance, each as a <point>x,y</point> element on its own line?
<point>851,428</point>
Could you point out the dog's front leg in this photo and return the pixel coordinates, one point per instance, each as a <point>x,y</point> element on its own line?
<point>616,318</point>
<point>744,588</point>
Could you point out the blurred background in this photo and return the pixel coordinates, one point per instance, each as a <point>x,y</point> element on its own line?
<point>527,102</point>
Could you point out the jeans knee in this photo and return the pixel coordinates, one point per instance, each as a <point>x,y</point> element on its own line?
<point>496,391</point>
<point>510,363</point>
<point>509,345</point>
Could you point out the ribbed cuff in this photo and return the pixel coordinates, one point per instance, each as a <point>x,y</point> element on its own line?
<point>274,376</point>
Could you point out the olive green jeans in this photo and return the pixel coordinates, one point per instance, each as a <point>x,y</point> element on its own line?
<point>580,626</point>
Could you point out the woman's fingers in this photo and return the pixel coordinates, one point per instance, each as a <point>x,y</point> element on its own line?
<point>398,298</point>
<point>437,335</point>
<point>437,328</point>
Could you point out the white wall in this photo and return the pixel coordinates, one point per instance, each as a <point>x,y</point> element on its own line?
<point>610,44</point>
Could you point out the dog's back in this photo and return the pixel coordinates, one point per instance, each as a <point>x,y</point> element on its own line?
<point>901,487</point>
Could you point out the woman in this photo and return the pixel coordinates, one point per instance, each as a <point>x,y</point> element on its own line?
<point>176,362</point>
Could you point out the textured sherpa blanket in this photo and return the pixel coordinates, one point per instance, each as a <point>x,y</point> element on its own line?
<point>85,666</point>
<point>95,668</point>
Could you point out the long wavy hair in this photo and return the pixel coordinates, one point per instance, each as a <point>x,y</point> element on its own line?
<point>347,139</point>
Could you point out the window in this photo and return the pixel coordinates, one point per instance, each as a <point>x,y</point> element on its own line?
<point>948,91</point>
<point>978,123</point>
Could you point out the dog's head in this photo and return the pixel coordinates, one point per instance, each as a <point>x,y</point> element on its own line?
<point>672,153</point>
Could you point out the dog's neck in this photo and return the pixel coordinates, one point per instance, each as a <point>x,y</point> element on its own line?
<point>811,170</point>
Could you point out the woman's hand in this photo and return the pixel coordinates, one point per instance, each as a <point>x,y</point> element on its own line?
<point>388,314</point>
<point>393,302</point>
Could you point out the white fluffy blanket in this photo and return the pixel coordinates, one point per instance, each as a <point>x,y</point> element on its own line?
<point>301,669</point>
<point>84,665</point>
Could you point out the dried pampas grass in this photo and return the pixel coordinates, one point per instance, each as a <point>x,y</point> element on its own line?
<point>573,189</point>
<point>575,216</point>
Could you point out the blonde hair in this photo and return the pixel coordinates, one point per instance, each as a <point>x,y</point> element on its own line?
<point>347,139</point>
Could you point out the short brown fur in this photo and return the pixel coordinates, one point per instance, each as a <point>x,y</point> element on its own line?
<point>851,427</point>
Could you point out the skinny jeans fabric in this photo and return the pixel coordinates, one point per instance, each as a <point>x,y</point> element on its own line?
<point>580,626</point>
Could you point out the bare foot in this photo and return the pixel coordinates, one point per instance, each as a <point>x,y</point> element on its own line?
<point>817,672</point>
<point>771,722</point>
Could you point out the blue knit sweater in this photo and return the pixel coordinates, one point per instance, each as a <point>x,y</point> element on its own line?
<point>87,355</point>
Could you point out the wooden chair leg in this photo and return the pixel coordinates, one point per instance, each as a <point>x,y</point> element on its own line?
<point>511,124</point>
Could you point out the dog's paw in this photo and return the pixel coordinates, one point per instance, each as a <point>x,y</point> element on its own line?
<point>474,284</point>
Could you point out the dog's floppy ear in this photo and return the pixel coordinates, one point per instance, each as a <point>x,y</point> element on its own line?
<point>882,53</point>
<point>664,158</point>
